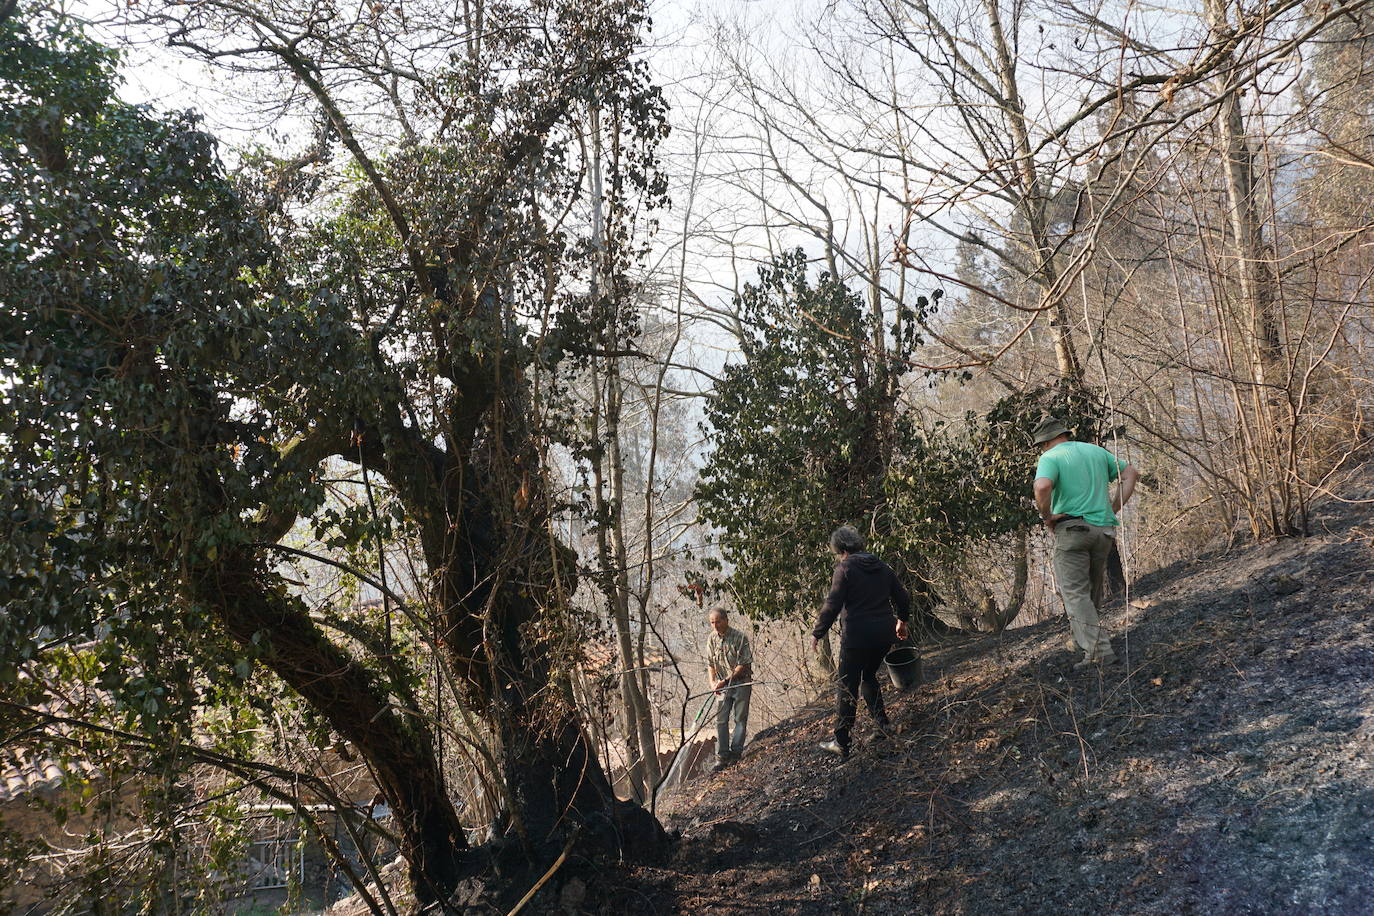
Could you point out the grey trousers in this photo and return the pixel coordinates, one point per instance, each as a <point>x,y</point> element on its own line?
<point>1080,567</point>
<point>734,702</point>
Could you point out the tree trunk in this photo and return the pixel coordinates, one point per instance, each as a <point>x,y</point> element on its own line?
<point>641,741</point>
<point>556,782</point>
<point>1031,201</point>
<point>643,722</point>
<point>1257,283</point>
<point>997,621</point>
<point>401,758</point>
<point>614,583</point>
<point>507,586</point>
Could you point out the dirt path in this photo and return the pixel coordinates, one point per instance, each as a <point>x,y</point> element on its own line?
<point>1227,769</point>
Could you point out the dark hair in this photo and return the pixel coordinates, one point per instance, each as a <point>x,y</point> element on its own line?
<point>846,539</point>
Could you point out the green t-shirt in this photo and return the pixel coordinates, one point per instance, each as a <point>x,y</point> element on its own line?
<point>1081,472</point>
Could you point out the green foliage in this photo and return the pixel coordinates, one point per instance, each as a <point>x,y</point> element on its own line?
<point>183,351</point>
<point>801,433</point>
<point>810,431</point>
<point>953,490</point>
<point>127,264</point>
<point>123,277</point>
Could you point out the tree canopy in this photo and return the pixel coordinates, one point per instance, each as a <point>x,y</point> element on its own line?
<point>816,426</point>
<point>186,354</point>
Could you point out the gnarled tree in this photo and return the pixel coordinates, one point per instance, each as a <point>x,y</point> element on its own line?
<point>182,358</point>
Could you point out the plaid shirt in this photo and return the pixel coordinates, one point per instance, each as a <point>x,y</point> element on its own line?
<point>725,654</point>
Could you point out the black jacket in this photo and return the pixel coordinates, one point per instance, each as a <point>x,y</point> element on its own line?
<point>864,592</point>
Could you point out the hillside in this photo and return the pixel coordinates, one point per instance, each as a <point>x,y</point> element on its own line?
<point>1226,769</point>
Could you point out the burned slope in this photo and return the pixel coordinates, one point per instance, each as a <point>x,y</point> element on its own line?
<point>1227,767</point>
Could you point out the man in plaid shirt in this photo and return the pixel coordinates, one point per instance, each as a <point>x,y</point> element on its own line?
<point>729,660</point>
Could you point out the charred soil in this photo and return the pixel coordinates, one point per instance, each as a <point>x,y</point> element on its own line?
<point>1225,767</point>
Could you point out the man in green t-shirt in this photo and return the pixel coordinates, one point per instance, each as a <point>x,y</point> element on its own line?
<point>1071,492</point>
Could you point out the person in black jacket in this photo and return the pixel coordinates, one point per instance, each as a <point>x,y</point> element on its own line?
<point>864,594</point>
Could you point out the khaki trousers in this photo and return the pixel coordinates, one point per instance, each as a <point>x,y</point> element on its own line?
<point>734,703</point>
<point>1080,567</point>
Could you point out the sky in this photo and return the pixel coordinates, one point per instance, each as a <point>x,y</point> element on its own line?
<point>727,212</point>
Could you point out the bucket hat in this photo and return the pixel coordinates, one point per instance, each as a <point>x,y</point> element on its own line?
<point>1049,428</point>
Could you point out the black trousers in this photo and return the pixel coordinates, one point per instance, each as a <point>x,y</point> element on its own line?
<point>858,674</point>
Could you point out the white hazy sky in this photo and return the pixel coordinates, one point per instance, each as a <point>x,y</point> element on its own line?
<point>713,142</point>
<point>153,74</point>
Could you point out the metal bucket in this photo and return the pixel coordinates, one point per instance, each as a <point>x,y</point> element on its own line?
<point>904,666</point>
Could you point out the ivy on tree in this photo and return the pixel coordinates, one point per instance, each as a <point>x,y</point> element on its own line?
<point>816,426</point>
<point>184,353</point>
<point>803,432</point>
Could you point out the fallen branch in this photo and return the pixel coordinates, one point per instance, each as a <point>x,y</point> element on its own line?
<point>558,863</point>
